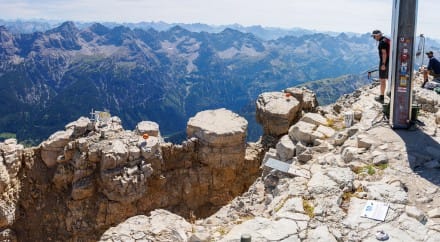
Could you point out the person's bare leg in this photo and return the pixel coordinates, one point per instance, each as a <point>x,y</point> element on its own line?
<point>383,83</point>
<point>425,77</point>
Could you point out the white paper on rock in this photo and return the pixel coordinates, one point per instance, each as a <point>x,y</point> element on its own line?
<point>375,210</point>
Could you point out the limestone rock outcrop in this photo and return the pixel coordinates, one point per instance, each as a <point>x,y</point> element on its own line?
<point>333,172</point>
<point>95,174</point>
<point>148,127</point>
<point>277,111</point>
<point>11,158</point>
<point>161,225</point>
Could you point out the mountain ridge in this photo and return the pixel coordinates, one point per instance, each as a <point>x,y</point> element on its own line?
<point>154,75</point>
<point>126,70</point>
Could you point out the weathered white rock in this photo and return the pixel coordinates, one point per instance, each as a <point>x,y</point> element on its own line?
<point>326,131</point>
<point>365,142</point>
<point>147,127</point>
<point>114,155</point>
<point>58,139</point>
<point>276,112</point>
<point>306,97</point>
<point>285,148</point>
<point>429,100</point>
<point>414,212</point>
<point>199,237</point>
<point>349,153</point>
<point>294,205</point>
<point>433,236</point>
<point>303,153</point>
<point>412,227</point>
<point>314,118</point>
<point>263,229</point>
<point>328,159</point>
<point>149,147</point>
<point>394,233</point>
<point>354,221</point>
<point>302,132</point>
<point>217,127</point>
<point>317,135</point>
<point>434,213</point>
<point>53,147</point>
<point>322,184</point>
<point>4,176</point>
<point>80,126</point>
<point>344,177</point>
<point>437,117</point>
<point>340,138</point>
<point>11,155</point>
<point>160,225</point>
<point>305,156</point>
<point>7,214</point>
<point>380,159</point>
<point>321,234</point>
<point>387,193</point>
<point>321,146</point>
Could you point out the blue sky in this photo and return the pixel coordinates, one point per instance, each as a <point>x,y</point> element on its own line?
<point>359,16</point>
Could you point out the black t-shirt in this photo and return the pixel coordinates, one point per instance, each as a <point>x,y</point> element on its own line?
<point>434,65</point>
<point>384,45</point>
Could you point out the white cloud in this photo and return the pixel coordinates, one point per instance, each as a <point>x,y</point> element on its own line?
<point>335,15</point>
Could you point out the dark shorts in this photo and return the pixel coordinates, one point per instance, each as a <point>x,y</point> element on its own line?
<point>383,74</point>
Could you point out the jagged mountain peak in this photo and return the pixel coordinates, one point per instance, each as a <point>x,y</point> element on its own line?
<point>178,31</point>
<point>67,27</point>
<point>230,32</point>
<point>99,29</point>
<point>3,28</point>
<point>118,35</point>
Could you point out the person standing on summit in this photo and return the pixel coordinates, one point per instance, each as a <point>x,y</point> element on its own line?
<point>384,56</point>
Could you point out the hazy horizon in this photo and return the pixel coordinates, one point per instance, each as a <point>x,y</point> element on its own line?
<point>356,16</point>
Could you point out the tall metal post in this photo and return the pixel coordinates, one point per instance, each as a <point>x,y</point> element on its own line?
<point>402,61</point>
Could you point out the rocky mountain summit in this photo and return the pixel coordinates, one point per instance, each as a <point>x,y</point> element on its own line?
<point>334,170</point>
<point>95,181</point>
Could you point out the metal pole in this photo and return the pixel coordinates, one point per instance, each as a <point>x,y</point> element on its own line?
<point>245,238</point>
<point>402,61</point>
<point>422,38</point>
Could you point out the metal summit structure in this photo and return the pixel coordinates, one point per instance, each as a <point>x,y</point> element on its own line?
<point>403,58</point>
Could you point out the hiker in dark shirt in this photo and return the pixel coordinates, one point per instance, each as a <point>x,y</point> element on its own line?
<point>433,68</point>
<point>384,54</point>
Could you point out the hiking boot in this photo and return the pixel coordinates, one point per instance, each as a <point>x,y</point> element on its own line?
<point>379,99</point>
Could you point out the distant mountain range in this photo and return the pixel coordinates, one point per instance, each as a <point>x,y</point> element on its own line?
<point>50,78</point>
<point>265,33</point>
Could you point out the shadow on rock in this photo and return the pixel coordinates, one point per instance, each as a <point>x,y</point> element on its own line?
<point>423,154</point>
